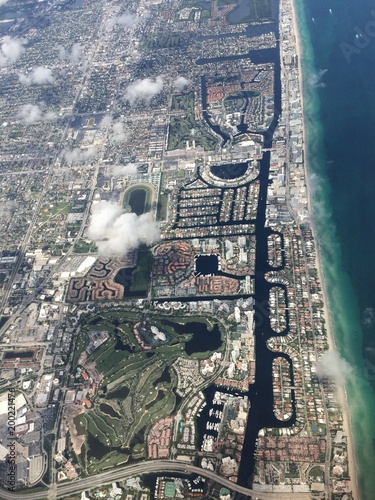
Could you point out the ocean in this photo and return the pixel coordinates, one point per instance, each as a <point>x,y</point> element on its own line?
<point>338,45</point>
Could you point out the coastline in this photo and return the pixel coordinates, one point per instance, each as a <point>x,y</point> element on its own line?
<point>341,392</point>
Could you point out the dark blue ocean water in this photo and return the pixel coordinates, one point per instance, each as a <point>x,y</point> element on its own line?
<point>339,92</point>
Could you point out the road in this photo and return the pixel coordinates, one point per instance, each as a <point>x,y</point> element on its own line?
<point>159,466</point>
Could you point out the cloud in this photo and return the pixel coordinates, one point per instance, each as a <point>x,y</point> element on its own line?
<point>315,183</point>
<point>118,132</point>
<point>120,170</point>
<point>144,90</point>
<point>39,76</point>
<point>115,128</point>
<point>116,232</point>
<point>316,80</point>
<point>368,316</point>
<point>78,155</point>
<point>3,2</point>
<point>50,116</point>
<point>30,113</point>
<point>180,83</point>
<point>332,366</point>
<point>74,56</point>
<point>76,53</point>
<point>106,121</point>
<point>10,51</point>
<point>7,208</point>
<point>126,21</point>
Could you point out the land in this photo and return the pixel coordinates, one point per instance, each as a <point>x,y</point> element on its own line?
<point>185,359</point>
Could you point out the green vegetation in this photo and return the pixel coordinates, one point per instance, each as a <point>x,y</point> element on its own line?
<point>316,472</point>
<point>184,127</point>
<point>15,134</point>
<point>222,3</point>
<point>48,212</point>
<point>196,6</point>
<point>58,248</point>
<point>258,10</point>
<point>162,207</point>
<point>33,489</point>
<point>313,273</point>
<point>100,428</point>
<point>163,41</point>
<point>81,345</point>
<point>80,424</point>
<point>142,273</point>
<point>138,383</point>
<point>83,246</point>
<point>134,188</point>
<point>111,460</point>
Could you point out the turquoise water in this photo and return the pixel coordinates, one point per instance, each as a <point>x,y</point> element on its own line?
<point>339,107</point>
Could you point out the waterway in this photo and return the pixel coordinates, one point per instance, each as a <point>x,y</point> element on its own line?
<point>261,393</point>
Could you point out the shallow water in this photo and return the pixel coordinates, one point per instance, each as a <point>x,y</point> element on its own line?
<point>339,104</point>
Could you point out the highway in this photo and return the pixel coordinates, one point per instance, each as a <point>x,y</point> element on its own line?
<point>158,466</point>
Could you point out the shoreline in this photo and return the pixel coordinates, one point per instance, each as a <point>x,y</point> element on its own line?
<point>341,392</point>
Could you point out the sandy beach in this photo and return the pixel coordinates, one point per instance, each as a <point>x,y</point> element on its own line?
<point>328,320</point>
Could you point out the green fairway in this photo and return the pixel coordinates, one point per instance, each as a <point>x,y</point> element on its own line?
<point>141,275</point>
<point>139,381</point>
<point>184,128</point>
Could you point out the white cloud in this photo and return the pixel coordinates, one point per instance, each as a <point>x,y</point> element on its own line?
<point>39,76</point>
<point>120,170</point>
<point>144,90</point>
<point>3,2</point>
<point>332,366</point>
<point>118,132</point>
<point>78,155</point>
<point>180,83</point>
<point>106,121</point>
<point>126,21</point>
<point>7,208</point>
<point>72,56</point>
<point>30,113</point>
<point>10,51</point>
<point>116,128</point>
<point>116,232</point>
<point>368,316</point>
<point>62,52</point>
<point>50,116</point>
<point>316,80</point>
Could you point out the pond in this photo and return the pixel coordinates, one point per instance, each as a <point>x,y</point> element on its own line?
<point>207,265</point>
<point>137,201</point>
<point>240,12</point>
<point>230,171</point>
<point>203,340</point>
<point>108,410</point>
<point>118,393</point>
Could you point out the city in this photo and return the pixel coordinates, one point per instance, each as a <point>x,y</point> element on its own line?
<point>161,294</point>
